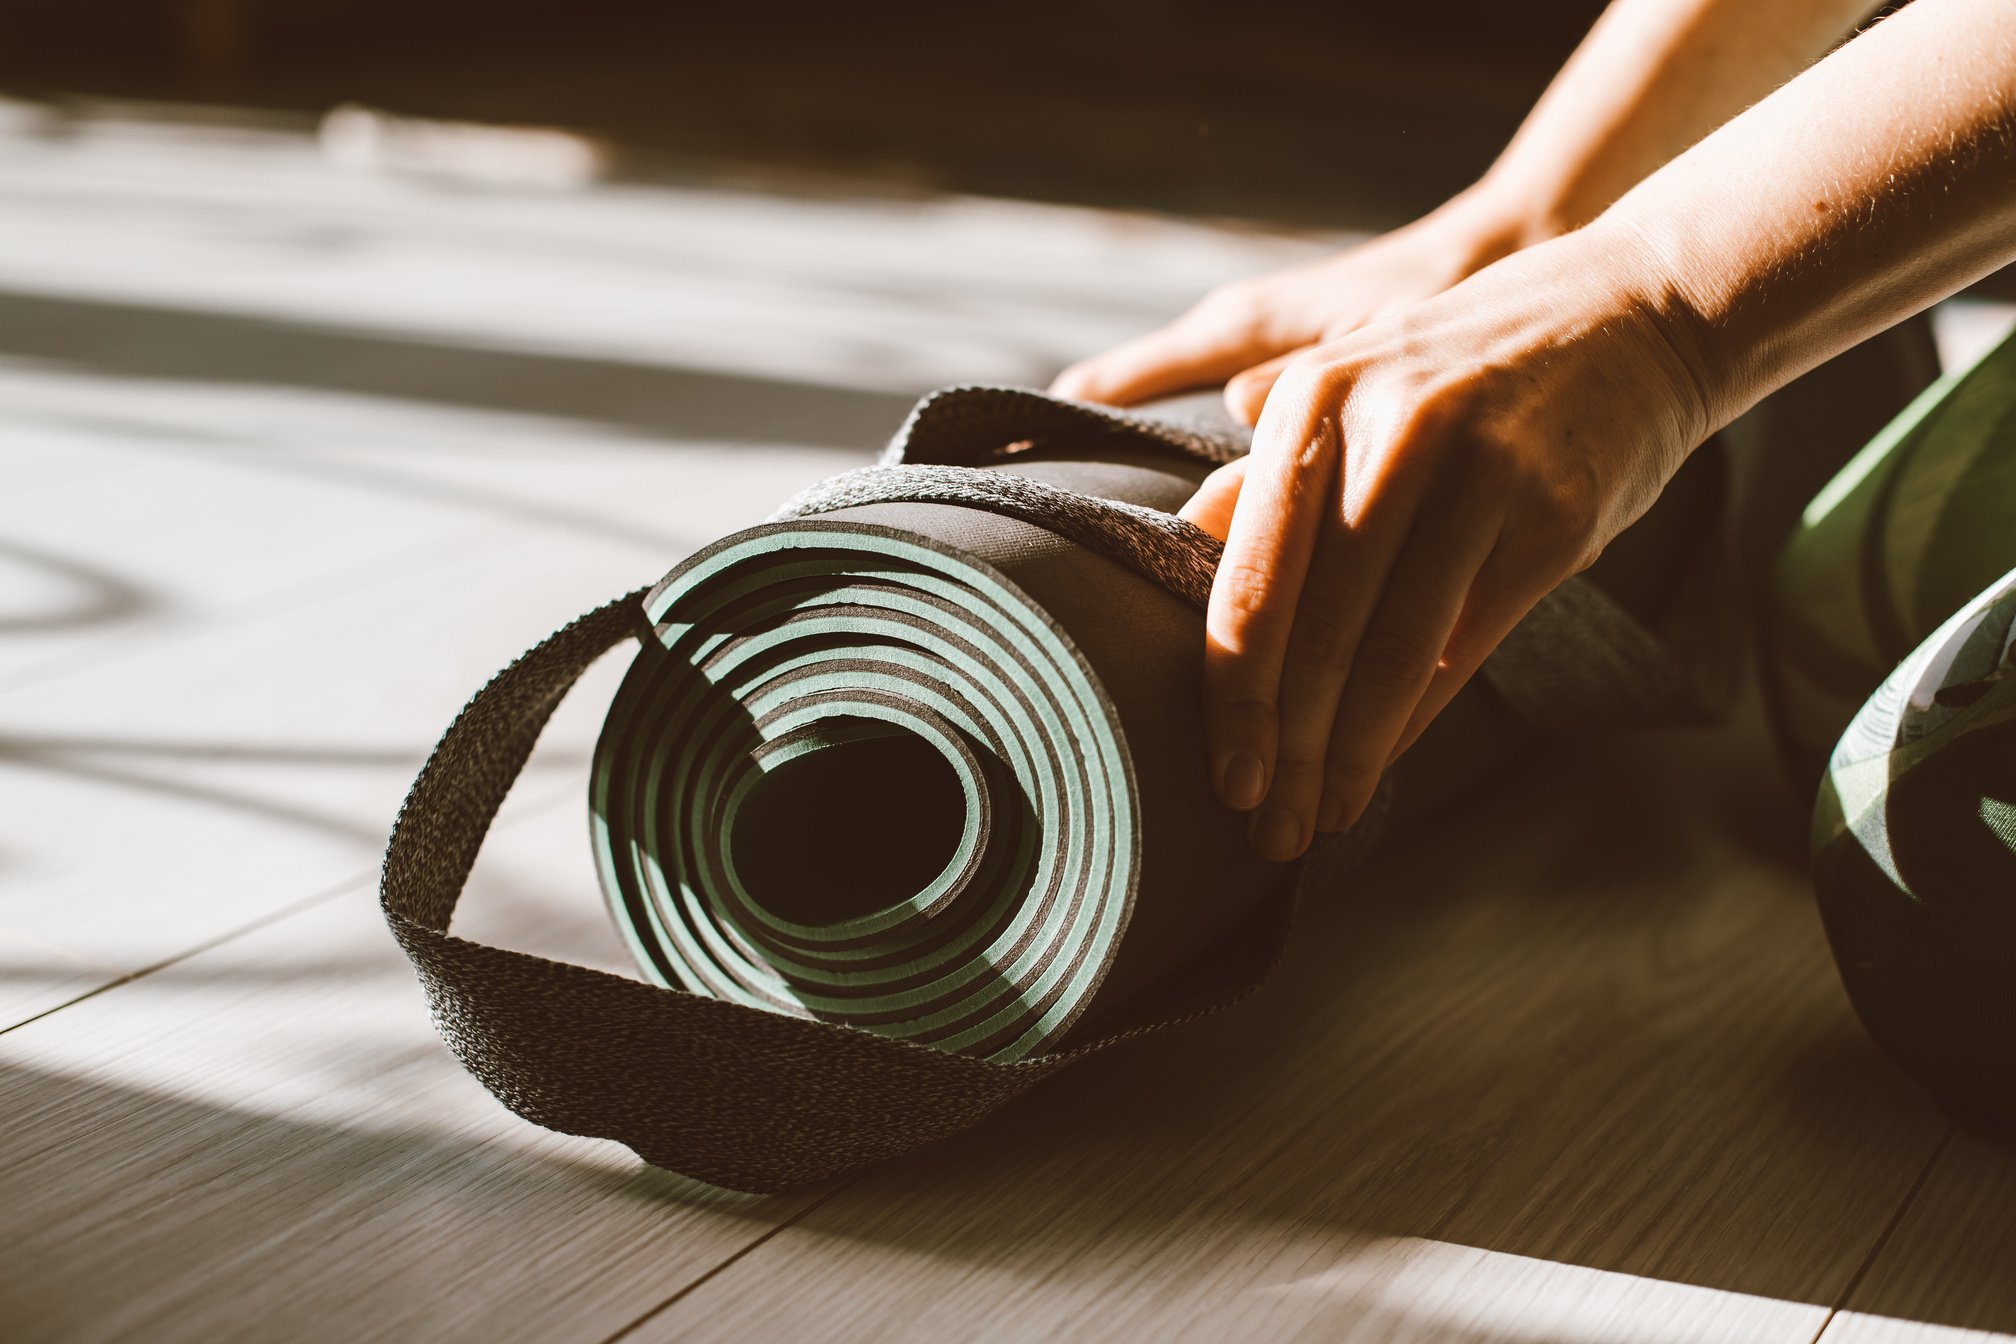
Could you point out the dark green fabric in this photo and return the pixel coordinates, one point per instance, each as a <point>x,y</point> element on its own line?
<point>1914,856</point>
<point>1921,520</point>
<point>1886,640</point>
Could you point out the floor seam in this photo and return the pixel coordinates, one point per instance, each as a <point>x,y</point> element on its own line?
<point>266,921</point>
<point>1889,1231</point>
<point>689,1289</point>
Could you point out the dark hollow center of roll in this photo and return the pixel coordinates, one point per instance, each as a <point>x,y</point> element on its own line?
<point>848,829</point>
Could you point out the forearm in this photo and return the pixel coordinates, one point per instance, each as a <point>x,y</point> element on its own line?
<point>1873,185</point>
<point>1651,78</point>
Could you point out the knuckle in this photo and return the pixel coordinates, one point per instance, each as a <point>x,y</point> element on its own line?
<point>1395,656</point>
<point>1349,777</point>
<point>1295,770</point>
<point>1244,705</point>
<point>1317,641</point>
<point>1242,590</point>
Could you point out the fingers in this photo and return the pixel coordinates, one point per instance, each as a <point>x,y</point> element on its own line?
<point>1246,392</point>
<point>1396,661</point>
<point>1364,536</point>
<point>1497,602</point>
<point>1289,484</point>
<point>1185,354</point>
<point>1211,507</point>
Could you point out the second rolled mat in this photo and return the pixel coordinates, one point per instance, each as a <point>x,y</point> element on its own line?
<point>903,802</point>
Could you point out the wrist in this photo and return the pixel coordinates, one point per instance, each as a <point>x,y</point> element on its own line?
<point>1650,294</point>
<point>1489,221</point>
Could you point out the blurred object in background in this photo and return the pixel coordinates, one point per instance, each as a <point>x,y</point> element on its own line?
<point>360,137</point>
<point>1170,104</point>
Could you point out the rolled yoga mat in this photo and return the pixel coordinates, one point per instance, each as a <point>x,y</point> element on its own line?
<point>1914,857</point>
<point>903,803</point>
<point>1917,523</point>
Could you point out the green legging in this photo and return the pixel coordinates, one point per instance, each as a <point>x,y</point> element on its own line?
<point>1890,641</point>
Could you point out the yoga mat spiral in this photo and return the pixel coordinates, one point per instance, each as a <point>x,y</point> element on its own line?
<point>815,679</point>
<point>903,803</point>
<point>874,768</point>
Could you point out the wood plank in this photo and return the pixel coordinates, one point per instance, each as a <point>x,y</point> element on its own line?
<point>1579,1069</point>
<point>1948,1272</point>
<point>178,505</point>
<point>173,774</point>
<point>172,537</point>
<point>267,1141</point>
<point>163,800</point>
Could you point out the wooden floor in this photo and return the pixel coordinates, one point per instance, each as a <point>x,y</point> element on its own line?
<point>296,454</point>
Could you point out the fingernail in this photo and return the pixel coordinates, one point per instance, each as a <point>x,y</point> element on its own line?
<point>1241,784</point>
<point>1330,819</point>
<point>1277,834</point>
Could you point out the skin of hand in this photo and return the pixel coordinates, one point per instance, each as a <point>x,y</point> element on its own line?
<point>1651,78</point>
<point>1428,469</point>
<point>1247,324</point>
<point>1415,486</point>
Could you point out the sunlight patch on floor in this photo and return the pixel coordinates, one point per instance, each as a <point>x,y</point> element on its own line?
<point>858,291</point>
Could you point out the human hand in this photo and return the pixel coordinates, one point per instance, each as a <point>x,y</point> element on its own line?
<point>1251,322</point>
<point>1415,486</point>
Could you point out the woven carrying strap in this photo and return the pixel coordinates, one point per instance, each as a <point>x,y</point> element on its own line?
<point>758,1101</point>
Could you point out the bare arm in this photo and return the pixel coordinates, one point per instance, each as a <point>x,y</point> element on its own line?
<point>1867,189</point>
<point>1417,483</point>
<point>1651,78</point>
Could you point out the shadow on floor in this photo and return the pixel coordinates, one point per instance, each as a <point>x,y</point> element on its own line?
<point>1618,1043</point>
<point>288,1220</point>
<point>124,765</point>
<point>102,597</point>
<point>141,341</point>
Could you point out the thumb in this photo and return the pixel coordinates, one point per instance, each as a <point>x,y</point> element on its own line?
<point>1211,507</point>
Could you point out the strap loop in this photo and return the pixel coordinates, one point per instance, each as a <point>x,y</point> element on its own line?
<point>758,1101</point>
